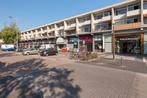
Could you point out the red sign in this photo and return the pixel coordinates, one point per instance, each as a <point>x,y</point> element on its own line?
<point>86,38</point>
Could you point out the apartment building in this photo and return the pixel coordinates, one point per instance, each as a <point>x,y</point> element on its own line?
<point>121,27</point>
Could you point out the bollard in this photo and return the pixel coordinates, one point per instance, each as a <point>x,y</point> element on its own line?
<point>121,61</point>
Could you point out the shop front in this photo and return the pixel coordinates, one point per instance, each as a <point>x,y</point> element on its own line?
<point>61,43</point>
<point>129,43</point>
<point>98,42</point>
<point>72,42</point>
<point>87,41</point>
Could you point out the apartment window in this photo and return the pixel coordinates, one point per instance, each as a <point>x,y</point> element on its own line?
<point>61,32</point>
<point>132,20</point>
<point>107,14</point>
<point>34,36</point>
<point>44,28</point>
<point>98,16</point>
<point>60,25</point>
<point>121,11</point>
<point>145,20</point>
<point>145,5</point>
<point>103,26</point>
<point>133,7</point>
<point>83,19</point>
<point>38,30</point>
<point>71,22</point>
<point>86,28</point>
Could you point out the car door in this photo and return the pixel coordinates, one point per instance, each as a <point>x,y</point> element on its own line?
<point>33,51</point>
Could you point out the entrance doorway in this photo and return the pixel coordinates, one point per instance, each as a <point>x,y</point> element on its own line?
<point>128,44</point>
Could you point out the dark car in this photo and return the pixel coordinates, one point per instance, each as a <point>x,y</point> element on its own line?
<point>47,52</point>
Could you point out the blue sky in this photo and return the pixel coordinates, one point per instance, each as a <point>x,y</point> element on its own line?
<point>32,13</point>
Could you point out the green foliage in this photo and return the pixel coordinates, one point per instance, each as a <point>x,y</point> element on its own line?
<point>10,34</point>
<point>0,35</point>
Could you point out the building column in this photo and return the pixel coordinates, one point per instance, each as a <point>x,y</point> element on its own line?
<point>113,34</point>
<point>103,42</point>
<point>77,26</point>
<point>93,44</point>
<point>113,43</point>
<point>92,23</point>
<point>142,17</point>
<point>78,42</point>
<point>142,42</point>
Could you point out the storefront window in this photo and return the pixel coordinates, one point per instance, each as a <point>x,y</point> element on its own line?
<point>128,44</point>
<point>98,43</point>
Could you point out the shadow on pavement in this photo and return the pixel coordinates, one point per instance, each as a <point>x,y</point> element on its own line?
<point>7,54</point>
<point>32,79</point>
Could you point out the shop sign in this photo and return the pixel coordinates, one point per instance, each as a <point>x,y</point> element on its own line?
<point>86,38</point>
<point>129,38</point>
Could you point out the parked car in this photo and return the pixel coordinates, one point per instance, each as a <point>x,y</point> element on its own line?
<point>8,47</point>
<point>30,51</point>
<point>47,52</point>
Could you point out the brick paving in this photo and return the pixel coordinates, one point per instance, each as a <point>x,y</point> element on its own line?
<point>59,77</point>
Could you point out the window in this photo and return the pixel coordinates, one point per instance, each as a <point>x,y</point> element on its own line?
<point>86,28</point>
<point>121,11</point>
<point>145,5</point>
<point>98,16</point>
<point>107,14</point>
<point>83,19</point>
<point>103,26</point>
<point>70,22</point>
<point>133,7</point>
<point>132,20</point>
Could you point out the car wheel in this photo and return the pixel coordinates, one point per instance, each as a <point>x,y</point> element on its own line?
<point>28,53</point>
<point>47,54</point>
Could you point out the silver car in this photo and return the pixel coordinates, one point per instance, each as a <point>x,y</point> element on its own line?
<point>30,51</point>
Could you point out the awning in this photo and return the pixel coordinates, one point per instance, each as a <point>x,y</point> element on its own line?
<point>60,40</point>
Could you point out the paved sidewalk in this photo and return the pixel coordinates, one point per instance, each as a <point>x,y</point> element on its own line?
<point>129,63</point>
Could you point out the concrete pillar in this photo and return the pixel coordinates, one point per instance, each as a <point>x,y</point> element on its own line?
<point>92,23</point>
<point>56,32</point>
<point>142,17</point>
<point>103,43</point>
<point>78,42</point>
<point>77,26</point>
<point>93,45</point>
<point>113,34</point>
<point>142,42</point>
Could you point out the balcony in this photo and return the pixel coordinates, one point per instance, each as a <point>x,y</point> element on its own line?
<point>133,13</point>
<point>85,23</point>
<point>70,32</point>
<point>127,26</point>
<point>121,16</point>
<point>68,27</point>
<point>60,28</point>
<point>107,18</point>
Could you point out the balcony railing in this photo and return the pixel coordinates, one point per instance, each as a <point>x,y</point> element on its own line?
<point>127,26</point>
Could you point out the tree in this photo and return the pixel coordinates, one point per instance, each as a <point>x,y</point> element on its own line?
<point>10,34</point>
<point>0,35</point>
